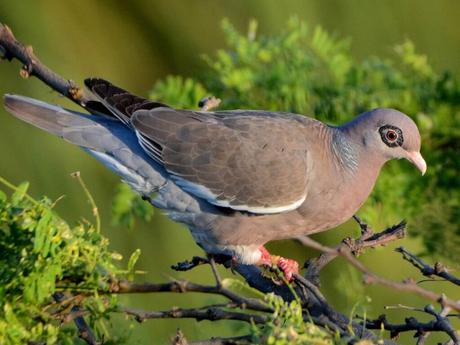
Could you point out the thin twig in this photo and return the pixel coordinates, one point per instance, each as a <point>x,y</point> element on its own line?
<point>188,265</point>
<point>438,269</point>
<point>368,239</point>
<point>10,48</point>
<point>402,306</point>
<point>371,278</point>
<point>244,339</point>
<point>84,331</point>
<point>91,201</point>
<point>215,272</point>
<point>181,286</point>
<point>16,189</point>
<point>211,313</point>
<point>440,324</point>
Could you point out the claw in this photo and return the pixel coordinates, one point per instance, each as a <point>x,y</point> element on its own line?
<point>288,266</point>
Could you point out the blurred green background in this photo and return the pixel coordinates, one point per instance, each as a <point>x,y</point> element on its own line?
<point>136,43</point>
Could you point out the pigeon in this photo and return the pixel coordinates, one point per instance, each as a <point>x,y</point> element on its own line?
<point>236,178</point>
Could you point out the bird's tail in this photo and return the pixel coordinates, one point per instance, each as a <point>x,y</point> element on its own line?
<point>112,143</point>
<point>50,118</point>
<point>107,139</point>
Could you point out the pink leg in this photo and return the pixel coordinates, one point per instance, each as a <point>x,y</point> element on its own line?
<point>288,266</point>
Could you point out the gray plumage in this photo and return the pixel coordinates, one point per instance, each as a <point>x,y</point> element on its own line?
<point>237,179</point>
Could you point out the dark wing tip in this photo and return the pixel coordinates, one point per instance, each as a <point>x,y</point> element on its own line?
<point>92,81</point>
<point>103,88</point>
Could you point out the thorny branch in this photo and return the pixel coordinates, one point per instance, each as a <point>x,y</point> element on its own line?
<point>315,305</point>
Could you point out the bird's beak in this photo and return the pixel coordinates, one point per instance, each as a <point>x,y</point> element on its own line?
<point>416,158</point>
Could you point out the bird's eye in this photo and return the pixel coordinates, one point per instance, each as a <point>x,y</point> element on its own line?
<point>392,136</point>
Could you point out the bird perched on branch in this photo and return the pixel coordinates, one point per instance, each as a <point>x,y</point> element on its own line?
<point>238,179</point>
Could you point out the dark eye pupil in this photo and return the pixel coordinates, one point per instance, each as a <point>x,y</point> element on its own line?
<point>391,135</point>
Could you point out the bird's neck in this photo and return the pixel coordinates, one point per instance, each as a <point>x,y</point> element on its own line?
<point>358,166</point>
<point>345,152</point>
<point>351,156</point>
<point>344,177</point>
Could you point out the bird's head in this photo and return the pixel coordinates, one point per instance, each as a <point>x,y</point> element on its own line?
<point>389,134</point>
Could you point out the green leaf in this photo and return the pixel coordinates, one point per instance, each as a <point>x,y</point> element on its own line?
<point>127,205</point>
<point>41,232</point>
<point>3,197</point>
<point>20,192</point>
<point>241,287</point>
<point>132,262</point>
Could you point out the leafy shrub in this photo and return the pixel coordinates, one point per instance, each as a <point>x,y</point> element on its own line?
<point>41,255</point>
<point>287,327</point>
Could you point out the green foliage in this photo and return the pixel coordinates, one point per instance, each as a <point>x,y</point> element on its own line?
<point>179,91</point>
<point>287,327</point>
<point>127,205</point>
<point>311,72</point>
<point>40,255</point>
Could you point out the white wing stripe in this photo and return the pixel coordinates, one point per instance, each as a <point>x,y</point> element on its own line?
<point>204,192</point>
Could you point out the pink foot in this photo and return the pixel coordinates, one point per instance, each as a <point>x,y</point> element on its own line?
<point>288,266</point>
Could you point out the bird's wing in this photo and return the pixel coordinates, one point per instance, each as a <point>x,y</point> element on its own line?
<point>115,101</point>
<point>246,161</point>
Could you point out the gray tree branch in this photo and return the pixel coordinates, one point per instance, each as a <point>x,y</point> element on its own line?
<point>437,269</point>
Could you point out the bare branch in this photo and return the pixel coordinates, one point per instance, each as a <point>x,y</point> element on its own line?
<point>215,272</point>
<point>10,49</point>
<point>368,239</point>
<point>84,331</point>
<point>438,269</point>
<point>181,286</point>
<point>371,278</point>
<point>245,339</point>
<point>188,265</point>
<point>210,313</point>
<point>440,324</point>
<point>179,339</point>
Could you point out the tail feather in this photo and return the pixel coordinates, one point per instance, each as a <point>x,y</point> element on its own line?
<point>37,113</point>
<point>78,128</point>
<point>107,139</point>
<point>116,146</point>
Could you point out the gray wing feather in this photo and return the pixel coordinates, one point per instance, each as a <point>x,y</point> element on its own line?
<point>252,163</point>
